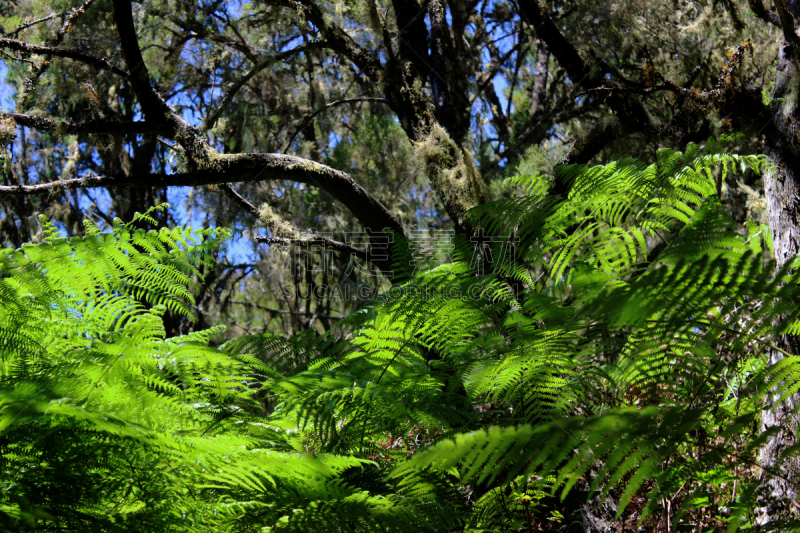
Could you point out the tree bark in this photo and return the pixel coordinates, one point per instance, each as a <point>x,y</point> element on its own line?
<point>782,189</point>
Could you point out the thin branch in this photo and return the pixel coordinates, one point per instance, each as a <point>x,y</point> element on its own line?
<point>567,55</point>
<point>310,117</point>
<point>336,38</point>
<point>698,96</point>
<point>285,312</point>
<point>517,66</point>
<point>564,14</point>
<point>195,30</point>
<point>239,199</point>
<point>630,112</point>
<point>494,67</point>
<point>212,119</point>
<point>27,25</point>
<point>68,18</point>
<point>17,58</point>
<point>319,241</point>
<point>98,62</point>
<point>631,90</point>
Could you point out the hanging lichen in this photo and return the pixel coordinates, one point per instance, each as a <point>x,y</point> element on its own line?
<point>276,224</point>
<point>451,171</point>
<point>8,132</point>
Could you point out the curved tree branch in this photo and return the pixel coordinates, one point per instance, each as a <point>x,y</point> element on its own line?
<point>326,242</point>
<point>156,110</point>
<point>205,165</point>
<point>228,189</point>
<point>153,106</point>
<point>242,168</point>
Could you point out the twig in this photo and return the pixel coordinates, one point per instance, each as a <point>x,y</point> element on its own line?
<point>317,241</point>
<point>247,77</point>
<point>27,25</point>
<point>308,118</point>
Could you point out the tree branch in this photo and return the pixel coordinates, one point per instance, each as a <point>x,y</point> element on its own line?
<point>335,37</point>
<point>197,31</point>
<point>97,62</point>
<point>320,241</point>
<point>95,126</point>
<point>563,50</point>
<point>68,18</point>
<point>446,76</point>
<point>27,25</point>
<point>315,241</point>
<point>630,112</point>
<point>307,120</point>
<point>153,106</point>
<point>239,199</point>
<point>156,110</point>
<point>413,36</point>
<point>205,165</point>
<point>589,145</point>
<point>285,312</point>
<point>247,77</point>
<point>539,91</point>
<point>242,168</point>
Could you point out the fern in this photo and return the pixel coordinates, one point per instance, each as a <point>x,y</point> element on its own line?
<point>608,346</point>
<point>626,362</point>
<point>107,425</point>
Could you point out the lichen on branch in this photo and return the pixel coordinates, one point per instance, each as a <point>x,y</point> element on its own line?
<point>452,173</point>
<point>277,225</point>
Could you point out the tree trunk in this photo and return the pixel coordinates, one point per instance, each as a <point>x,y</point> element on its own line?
<point>782,188</point>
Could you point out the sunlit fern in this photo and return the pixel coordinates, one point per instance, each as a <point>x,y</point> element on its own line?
<point>608,344</point>
<point>608,336</point>
<point>107,425</point>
